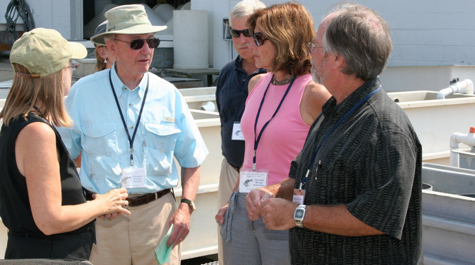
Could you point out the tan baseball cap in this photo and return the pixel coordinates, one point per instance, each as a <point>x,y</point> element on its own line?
<point>127,19</point>
<point>44,51</point>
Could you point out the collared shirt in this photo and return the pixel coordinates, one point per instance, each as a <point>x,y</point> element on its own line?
<point>231,95</point>
<point>372,163</point>
<point>166,130</point>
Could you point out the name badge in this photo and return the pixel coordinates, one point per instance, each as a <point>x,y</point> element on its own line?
<point>299,196</point>
<point>249,180</point>
<point>237,133</point>
<point>133,177</point>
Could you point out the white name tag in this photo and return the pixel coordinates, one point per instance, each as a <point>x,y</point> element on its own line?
<point>249,180</point>
<point>237,133</point>
<point>299,196</point>
<point>133,177</point>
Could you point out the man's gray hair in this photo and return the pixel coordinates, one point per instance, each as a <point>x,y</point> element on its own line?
<point>361,37</point>
<point>245,8</point>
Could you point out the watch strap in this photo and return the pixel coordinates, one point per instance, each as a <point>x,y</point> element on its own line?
<point>189,202</point>
<point>298,218</point>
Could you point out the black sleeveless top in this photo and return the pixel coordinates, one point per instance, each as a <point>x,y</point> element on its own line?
<point>15,207</point>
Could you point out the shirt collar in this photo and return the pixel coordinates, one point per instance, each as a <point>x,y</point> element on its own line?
<point>119,86</point>
<point>238,63</point>
<point>238,66</point>
<point>353,98</point>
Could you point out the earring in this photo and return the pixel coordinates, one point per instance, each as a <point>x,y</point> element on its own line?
<point>105,60</point>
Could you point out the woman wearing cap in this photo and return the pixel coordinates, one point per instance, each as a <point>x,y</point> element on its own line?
<point>42,201</point>
<point>105,59</point>
<point>280,108</point>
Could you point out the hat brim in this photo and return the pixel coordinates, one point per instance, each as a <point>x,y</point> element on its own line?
<point>78,50</point>
<point>139,29</point>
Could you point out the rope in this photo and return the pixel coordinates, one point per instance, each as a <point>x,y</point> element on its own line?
<point>16,9</point>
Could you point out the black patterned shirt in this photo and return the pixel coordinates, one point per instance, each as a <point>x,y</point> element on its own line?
<point>371,163</point>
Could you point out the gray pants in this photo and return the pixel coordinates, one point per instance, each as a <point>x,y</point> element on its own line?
<point>250,242</point>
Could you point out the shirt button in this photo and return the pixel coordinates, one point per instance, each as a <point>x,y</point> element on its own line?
<point>130,104</point>
<point>131,127</point>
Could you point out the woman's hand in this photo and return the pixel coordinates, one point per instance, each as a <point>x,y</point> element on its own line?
<point>220,216</point>
<point>113,203</point>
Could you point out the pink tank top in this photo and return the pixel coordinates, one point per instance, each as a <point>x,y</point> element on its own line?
<point>284,136</point>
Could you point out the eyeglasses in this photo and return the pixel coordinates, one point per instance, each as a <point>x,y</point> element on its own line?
<point>259,38</point>
<point>237,33</point>
<point>137,44</point>
<point>312,47</point>
<point>74,65</point>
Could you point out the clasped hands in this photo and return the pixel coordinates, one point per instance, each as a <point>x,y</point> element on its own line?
<point>277,213</point>
<point>114,202</point>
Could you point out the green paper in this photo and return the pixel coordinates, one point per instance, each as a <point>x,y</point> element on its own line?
<point>162,252</point>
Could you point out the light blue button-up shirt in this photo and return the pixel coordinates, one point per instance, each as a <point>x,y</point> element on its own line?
<point>166,130</point>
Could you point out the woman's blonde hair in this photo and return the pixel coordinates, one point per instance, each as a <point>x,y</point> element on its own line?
<point>28,89</point>
<point>290,28</point>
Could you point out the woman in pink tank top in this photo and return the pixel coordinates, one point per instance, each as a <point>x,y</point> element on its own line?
<point>280,108</point>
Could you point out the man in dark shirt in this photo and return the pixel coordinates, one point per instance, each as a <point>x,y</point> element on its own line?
<point>231,95</point>
<point>360,168</point>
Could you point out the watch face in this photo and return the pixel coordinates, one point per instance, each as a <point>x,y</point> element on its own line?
<point>299,214</point>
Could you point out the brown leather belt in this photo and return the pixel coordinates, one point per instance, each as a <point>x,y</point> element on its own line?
<point>140,200</point>
<point>144,199</point>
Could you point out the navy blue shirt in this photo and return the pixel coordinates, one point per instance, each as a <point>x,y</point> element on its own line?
<point>231,95</point>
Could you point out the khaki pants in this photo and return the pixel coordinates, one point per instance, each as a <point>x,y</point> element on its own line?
<point>227,181</point>
<point>132,239</point>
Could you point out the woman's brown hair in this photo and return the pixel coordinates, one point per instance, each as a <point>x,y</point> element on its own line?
<point>27,90</point>
<point>290,28</point>
<point>100,64</point>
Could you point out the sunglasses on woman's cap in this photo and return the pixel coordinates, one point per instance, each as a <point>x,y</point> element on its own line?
<point>137,44</point>
<point>236,33</point>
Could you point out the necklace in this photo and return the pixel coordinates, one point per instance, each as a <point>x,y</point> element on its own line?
<point>41,114</point>
<point>283,82</point>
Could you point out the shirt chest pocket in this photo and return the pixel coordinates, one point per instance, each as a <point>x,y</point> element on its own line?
<point>100,138</point>
<point>161,137</point>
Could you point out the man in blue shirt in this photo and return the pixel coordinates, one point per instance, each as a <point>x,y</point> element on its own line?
<point>130,125</point>
<point>231,95</point>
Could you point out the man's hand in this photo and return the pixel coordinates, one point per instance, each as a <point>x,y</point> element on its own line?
<point>181,225</point>
<point>278,214</point>
<point>254,201</point>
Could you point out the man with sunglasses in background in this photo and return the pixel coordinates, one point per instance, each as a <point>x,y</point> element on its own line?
<point>231,95</point>
<point>130,125</point>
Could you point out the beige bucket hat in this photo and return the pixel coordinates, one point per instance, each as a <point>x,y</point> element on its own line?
<point>44,52</point>
<point>127,19</point>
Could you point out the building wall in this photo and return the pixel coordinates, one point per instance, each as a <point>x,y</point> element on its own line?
<point>424,32</point>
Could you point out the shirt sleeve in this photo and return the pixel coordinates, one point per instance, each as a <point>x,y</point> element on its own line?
<point>190,149</point>
<point>71,136</point>
<point>218,89</point>
<point>387,183</point>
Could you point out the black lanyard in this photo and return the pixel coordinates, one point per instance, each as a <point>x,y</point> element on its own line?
<point>131,140</point>
<point>334,127</point>
<point>256,140</point>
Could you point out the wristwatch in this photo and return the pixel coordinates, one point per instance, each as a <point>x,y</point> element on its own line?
<point>299,215</point>
<point>190,203</point>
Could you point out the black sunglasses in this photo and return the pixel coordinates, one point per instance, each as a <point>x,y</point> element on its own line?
<point>236,33</point>
<point>137,44</point>
<point>258,38</point>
